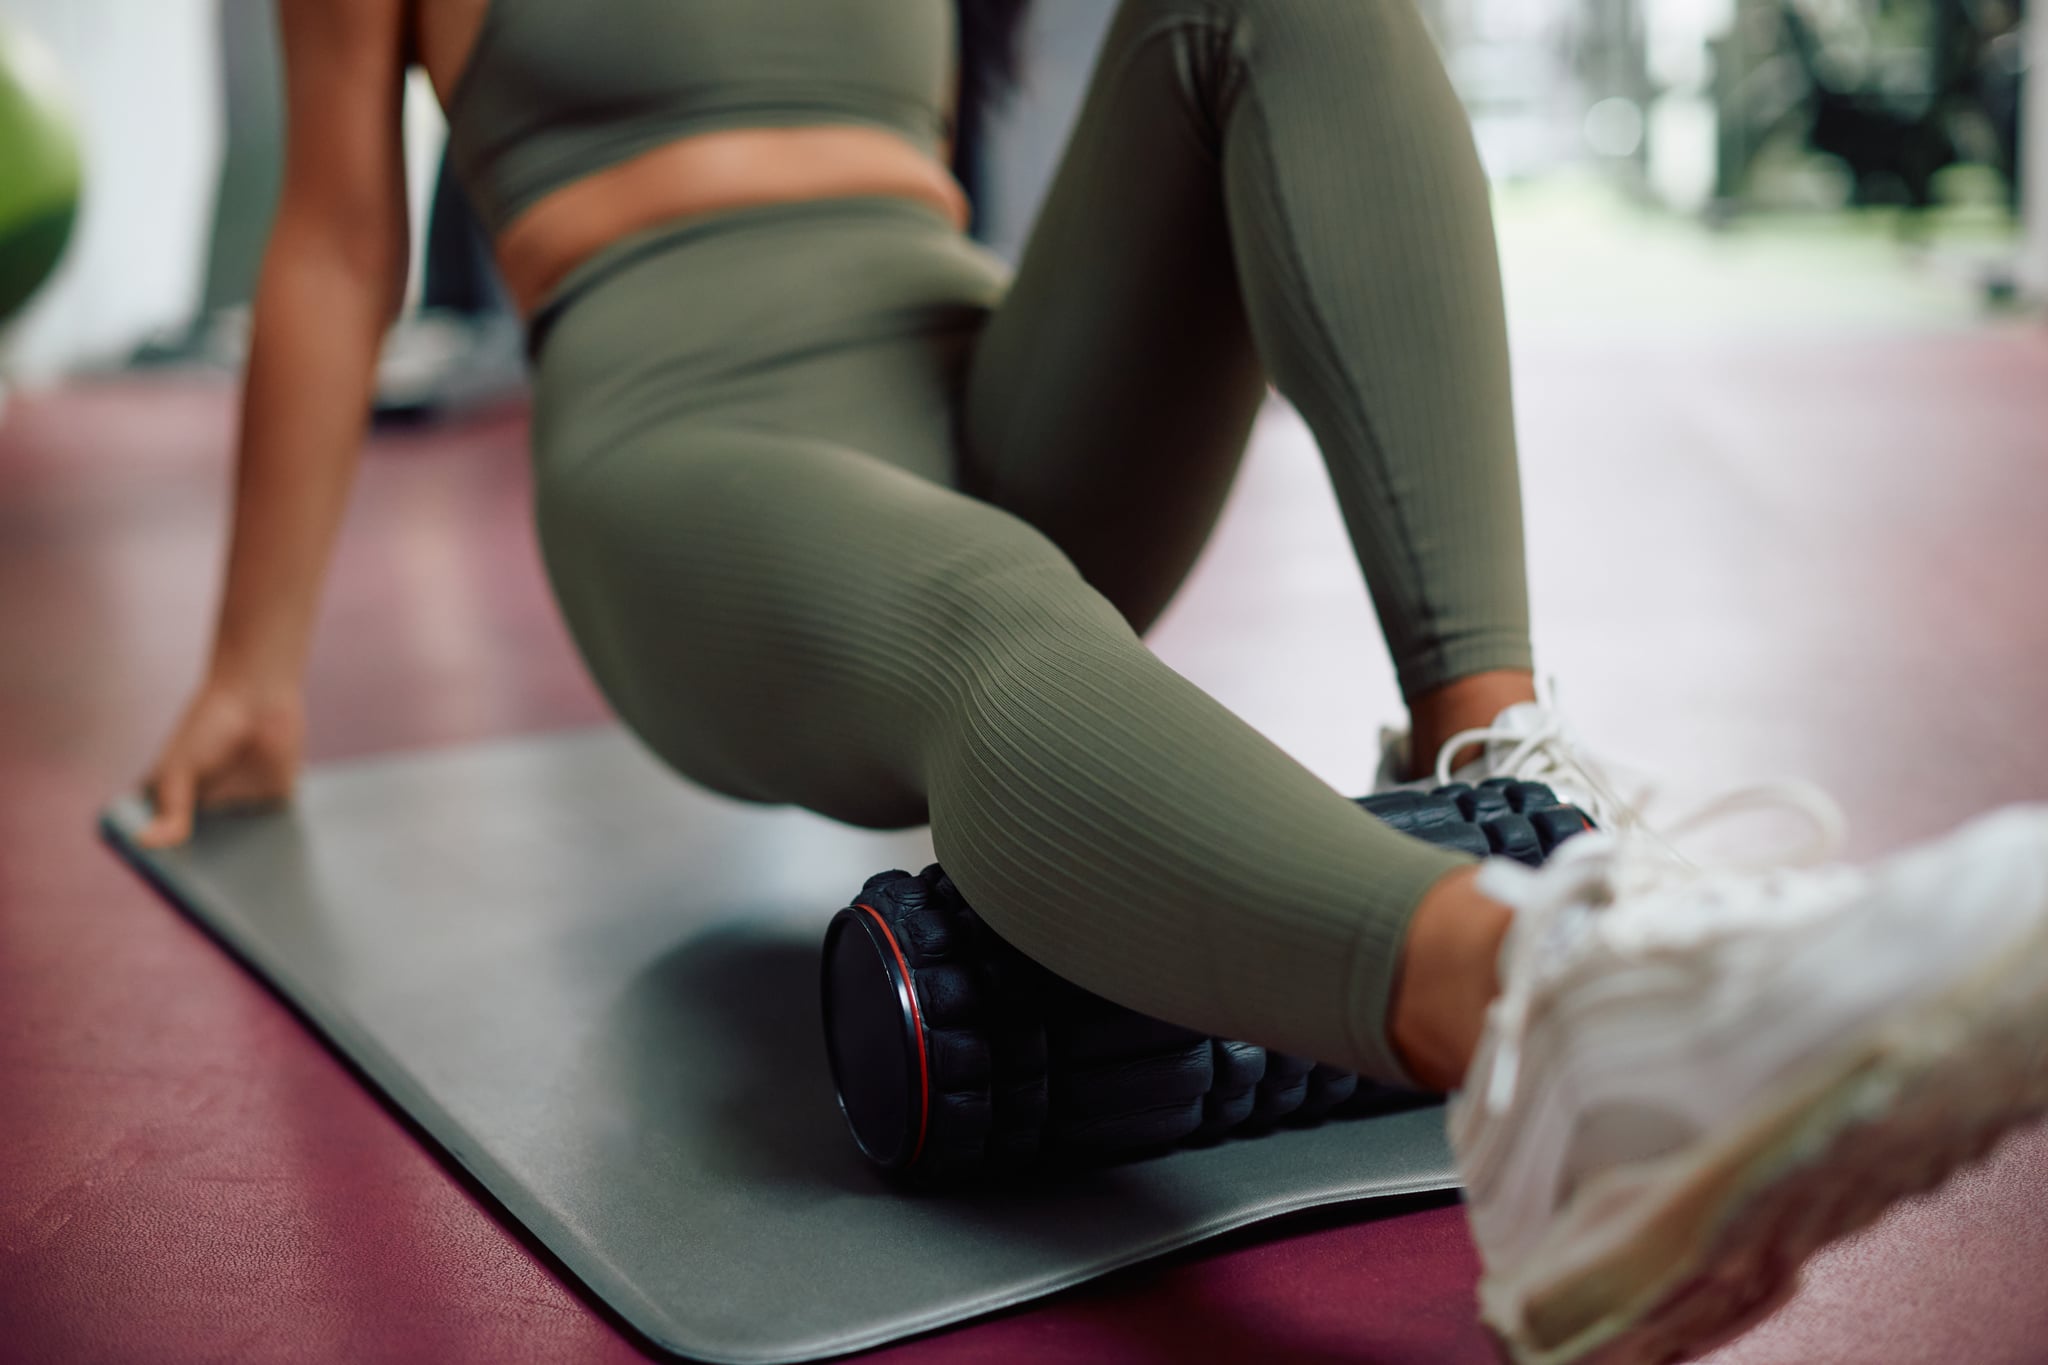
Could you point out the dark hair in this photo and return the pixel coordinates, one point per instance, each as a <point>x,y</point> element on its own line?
<point>990,32</point>
<point>988,49</point>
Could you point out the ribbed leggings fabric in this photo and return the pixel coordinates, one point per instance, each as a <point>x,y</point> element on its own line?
<point>842,516</point>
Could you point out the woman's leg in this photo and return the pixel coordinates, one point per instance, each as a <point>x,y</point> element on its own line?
<point>790,620</point>
<point>1283,187</point>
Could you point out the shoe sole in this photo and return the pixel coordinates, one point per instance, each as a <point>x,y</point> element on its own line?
<point>1929,1093</point>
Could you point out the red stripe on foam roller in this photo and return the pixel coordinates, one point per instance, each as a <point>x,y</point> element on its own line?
<point>924,1070</point>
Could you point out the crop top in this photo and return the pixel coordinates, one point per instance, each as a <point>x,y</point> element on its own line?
<point>554,90</point>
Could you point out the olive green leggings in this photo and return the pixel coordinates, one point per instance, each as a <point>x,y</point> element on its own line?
<point>841,517</point>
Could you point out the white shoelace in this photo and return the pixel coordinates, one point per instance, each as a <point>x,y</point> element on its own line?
<point>1546,754</point>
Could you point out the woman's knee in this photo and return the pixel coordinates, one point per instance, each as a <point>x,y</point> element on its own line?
<point>885,702</point>
<point>1018,650</point>
<point>1003,591</point>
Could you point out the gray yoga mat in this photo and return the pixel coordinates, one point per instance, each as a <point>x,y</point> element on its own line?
<point>597,989</point>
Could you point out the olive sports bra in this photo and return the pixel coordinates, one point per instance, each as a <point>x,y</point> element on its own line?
<point>556,89</point>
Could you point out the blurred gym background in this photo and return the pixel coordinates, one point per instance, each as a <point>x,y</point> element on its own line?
<point>1683,162</point>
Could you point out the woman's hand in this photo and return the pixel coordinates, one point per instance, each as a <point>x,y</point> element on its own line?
<point>235,747</point>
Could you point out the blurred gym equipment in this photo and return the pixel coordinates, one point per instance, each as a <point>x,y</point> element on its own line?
<point>1901,94</point>
<point>40,171</point>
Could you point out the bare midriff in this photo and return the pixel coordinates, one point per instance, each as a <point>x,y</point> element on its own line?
<point>707,173</point>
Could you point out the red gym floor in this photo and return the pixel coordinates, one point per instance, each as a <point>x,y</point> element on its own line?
<point>1822,557</point>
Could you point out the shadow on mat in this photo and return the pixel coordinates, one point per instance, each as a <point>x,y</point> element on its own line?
<point>720,1041</point>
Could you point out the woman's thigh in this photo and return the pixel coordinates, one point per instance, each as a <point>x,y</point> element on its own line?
<point>787,619</point>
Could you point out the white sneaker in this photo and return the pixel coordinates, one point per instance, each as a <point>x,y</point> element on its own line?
<point>1691,1081</point>
<point>1530,742</point>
